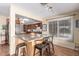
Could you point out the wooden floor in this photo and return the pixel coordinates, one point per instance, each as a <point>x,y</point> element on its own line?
<point>59,51</point>
<point>4,50</point>
<point>62,51</point>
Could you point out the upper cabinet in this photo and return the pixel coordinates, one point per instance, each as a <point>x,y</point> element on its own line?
<point>17,21</point>
<point>33,28</point>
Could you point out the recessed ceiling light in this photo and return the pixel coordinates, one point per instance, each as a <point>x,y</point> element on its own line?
<point>26,19</point>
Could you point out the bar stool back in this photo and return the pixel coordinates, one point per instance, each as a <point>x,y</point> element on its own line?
<point>20,48</point>
<point>50,40</point>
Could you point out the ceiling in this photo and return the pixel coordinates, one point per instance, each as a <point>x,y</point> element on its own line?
<point>4,9</point>
<point>37,9</point>
<point>58,8</point>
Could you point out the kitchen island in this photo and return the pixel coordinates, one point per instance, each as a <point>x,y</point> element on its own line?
<point>29,40</point>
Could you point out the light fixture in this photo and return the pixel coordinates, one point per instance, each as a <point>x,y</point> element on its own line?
<point>43,4</point>
<point>50,8</point>
<point>47,6</point>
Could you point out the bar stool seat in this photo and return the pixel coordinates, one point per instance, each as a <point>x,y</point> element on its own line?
<point>49,42</point>
<point>41,47</point>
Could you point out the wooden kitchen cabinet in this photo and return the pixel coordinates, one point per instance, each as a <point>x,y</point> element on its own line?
<point>29,28</point>
<point>17,21</point>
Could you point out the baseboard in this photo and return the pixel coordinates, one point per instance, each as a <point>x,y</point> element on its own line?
<point>66,44</point>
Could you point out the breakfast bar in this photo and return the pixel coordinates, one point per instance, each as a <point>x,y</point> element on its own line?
<point>29,40</point>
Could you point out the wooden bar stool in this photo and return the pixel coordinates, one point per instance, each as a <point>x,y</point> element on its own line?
<point>51,45</point>
<point>49,42</point>
<point>20,48</point>
<point>41,47</point>
<point>77,48</point>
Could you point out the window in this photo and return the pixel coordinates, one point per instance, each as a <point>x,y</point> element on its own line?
<point>53,28</point>
<point>61,27</point>
<point>64,27</point>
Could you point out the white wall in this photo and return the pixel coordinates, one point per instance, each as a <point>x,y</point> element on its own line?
<point>23,12</point>
<point>76,31</point>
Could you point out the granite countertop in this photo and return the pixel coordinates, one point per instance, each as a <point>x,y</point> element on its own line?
<point>26,37</point>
